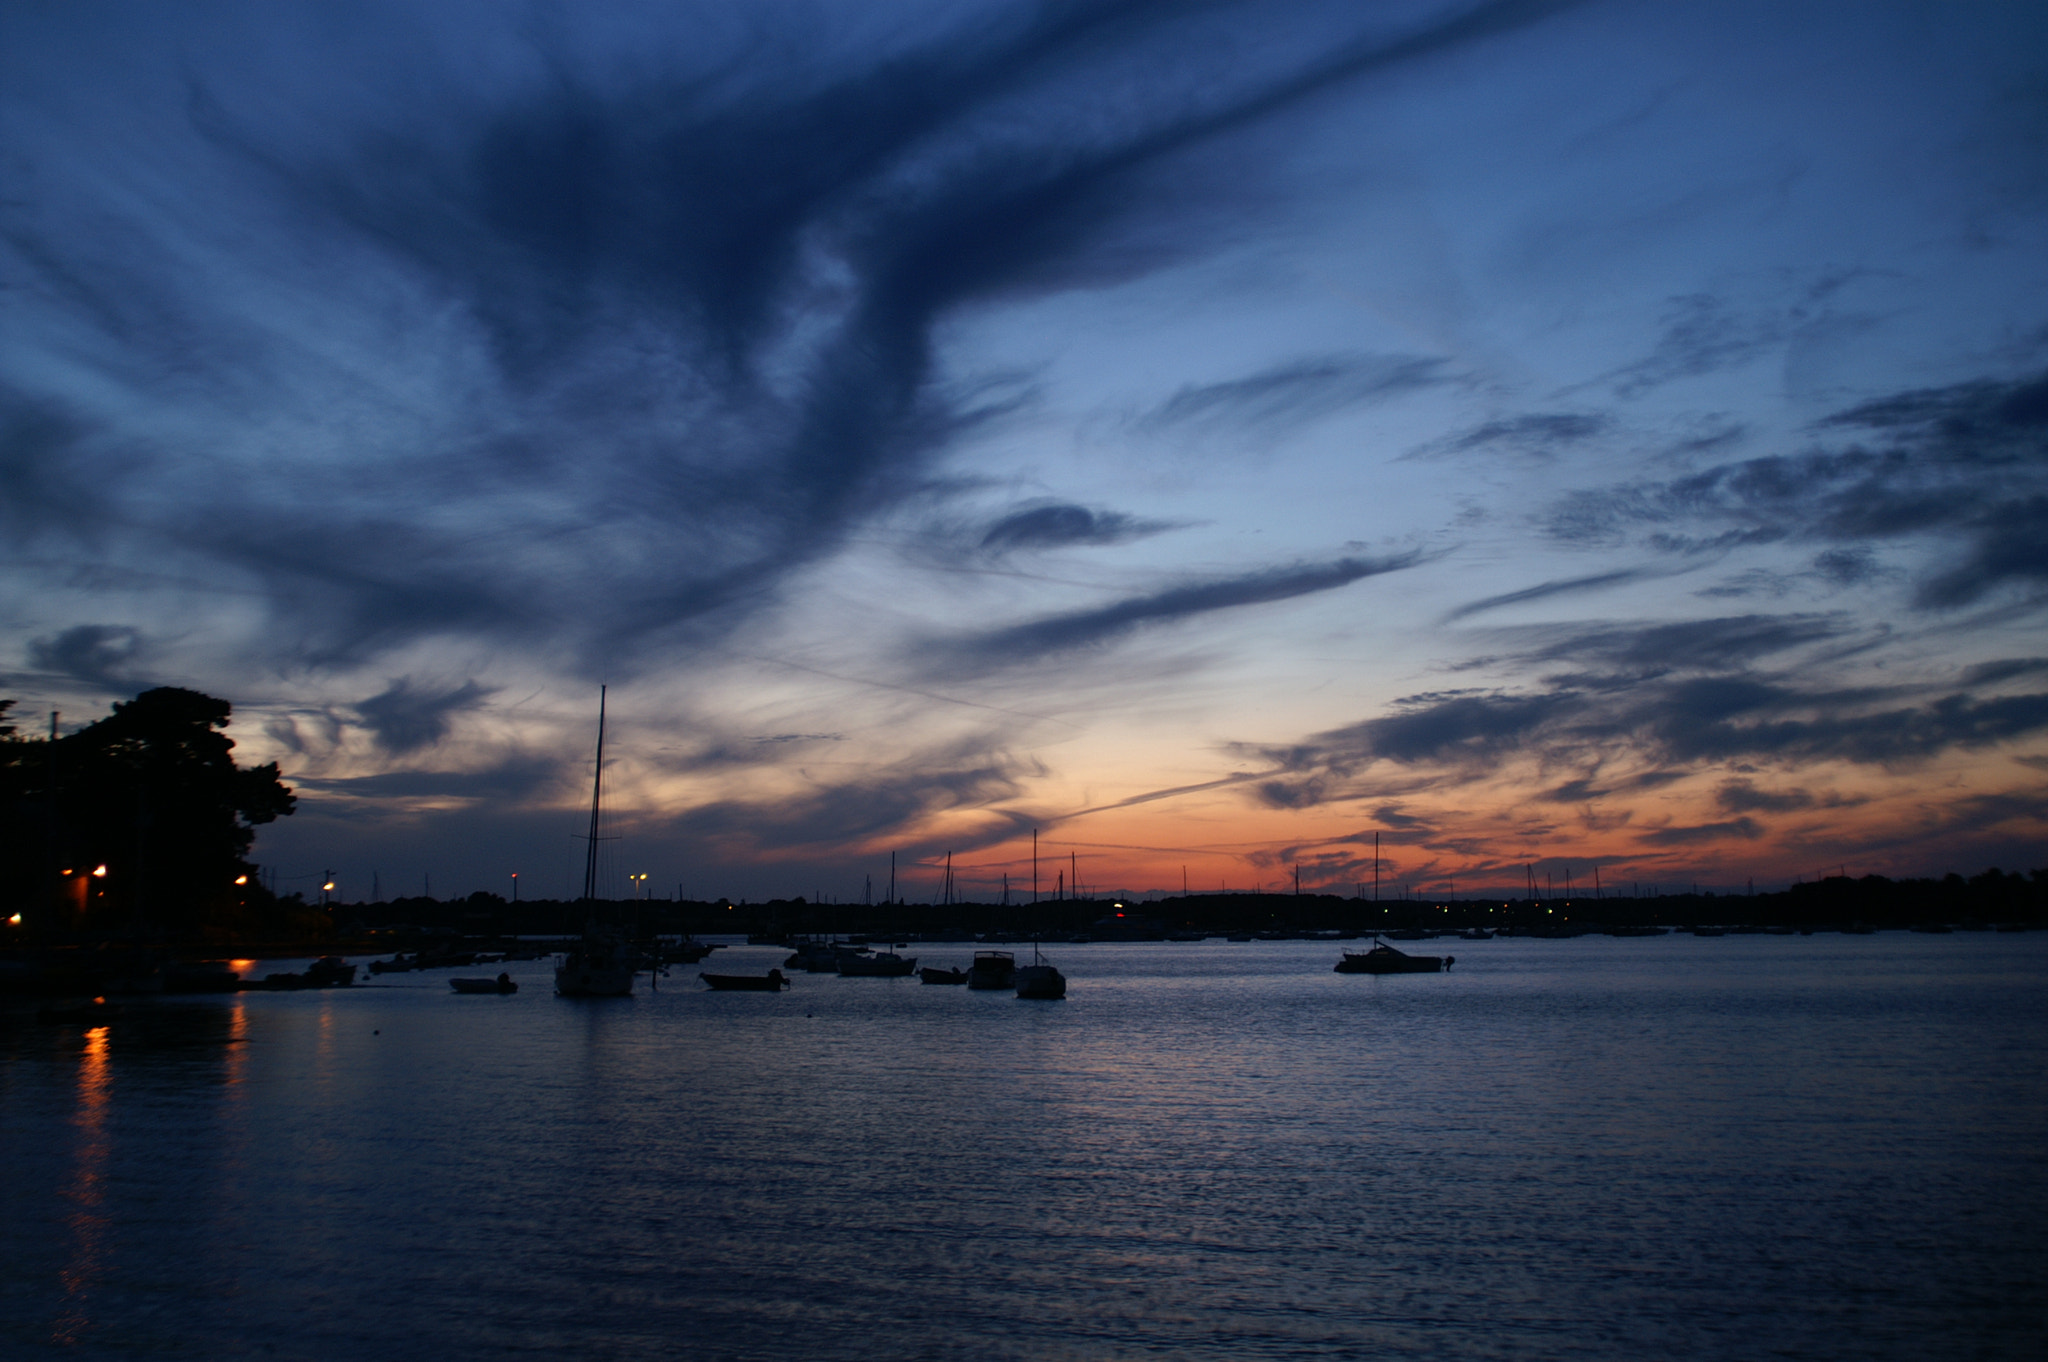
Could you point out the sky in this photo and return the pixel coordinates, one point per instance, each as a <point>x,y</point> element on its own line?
<point>1216,438</point>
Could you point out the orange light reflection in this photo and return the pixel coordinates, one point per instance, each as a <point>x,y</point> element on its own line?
<point>87,1189</point>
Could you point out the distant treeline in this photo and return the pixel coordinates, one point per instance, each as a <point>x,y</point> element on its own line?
<point>1991,897</point>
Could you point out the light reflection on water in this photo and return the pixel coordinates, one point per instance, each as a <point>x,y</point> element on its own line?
<point>1825,1147</point>
<point>86,1192</point>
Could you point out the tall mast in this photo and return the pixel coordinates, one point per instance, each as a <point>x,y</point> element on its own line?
<point>596,797</point>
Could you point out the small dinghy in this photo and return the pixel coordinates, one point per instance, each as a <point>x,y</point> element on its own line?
<point>770,982</point>
<point>502,984</point>
<point>955,975</point>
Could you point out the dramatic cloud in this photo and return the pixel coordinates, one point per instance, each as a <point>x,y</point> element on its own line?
<point>404,719</point>
<point>826,380</point>
<point>1024,643</point>
<point>1964,465</point>
<point>1683,701</point>
<point>101,655</point>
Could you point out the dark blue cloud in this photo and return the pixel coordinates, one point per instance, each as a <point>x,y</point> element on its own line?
<point>1021,644</point>
<point>1545,590</point>
<point>1745,828</point>
<point>1989,673</point>
<point>1060,524</point>
<point>1742,796</point>
<point>507,782</point>
<point>1684,699</point>
<point>1537,433</point>
<point>1964,467</point>
<point>1297,392</point>
<point>707,287</point>
<point>405,720</point>
<point>101,655</point>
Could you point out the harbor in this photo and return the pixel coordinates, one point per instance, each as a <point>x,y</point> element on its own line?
<point>1817,1146</point>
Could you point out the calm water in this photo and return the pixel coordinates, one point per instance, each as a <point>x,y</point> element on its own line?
<point>1738,1147</point>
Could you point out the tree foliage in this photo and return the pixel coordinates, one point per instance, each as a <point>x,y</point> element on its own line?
<point>153,794</point>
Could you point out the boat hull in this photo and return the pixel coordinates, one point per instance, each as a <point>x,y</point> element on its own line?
<point>1384,959</point>
<point>885,965</point>
<point>771,982</point>
<point>501,984</point>
<point>1041,982</point>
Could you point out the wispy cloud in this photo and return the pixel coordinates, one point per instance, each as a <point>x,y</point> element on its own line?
<point>684,310</point>
<point>1570,586</point>
<point>1533,434</point>
<point>1682,699</point>
<point>1025,643</point>
<point>1964,466</point>
<point>1297,392</point>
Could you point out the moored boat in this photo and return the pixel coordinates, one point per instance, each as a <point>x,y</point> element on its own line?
<point>1384,959</point>
<point>955,975</point>
<point>877,965</point>
<point>603,963</point>
<point>1039,979</point>
<point>771,982</point>
<point>992,969</point>
<point>502,984</point>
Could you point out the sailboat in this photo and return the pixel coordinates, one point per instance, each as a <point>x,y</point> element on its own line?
<point>603,963</point>
<point>1039,979</point>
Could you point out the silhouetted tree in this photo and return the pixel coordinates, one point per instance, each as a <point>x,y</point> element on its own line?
<point>151,793</point>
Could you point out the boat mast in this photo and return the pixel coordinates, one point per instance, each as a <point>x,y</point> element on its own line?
<point>596,797</point>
